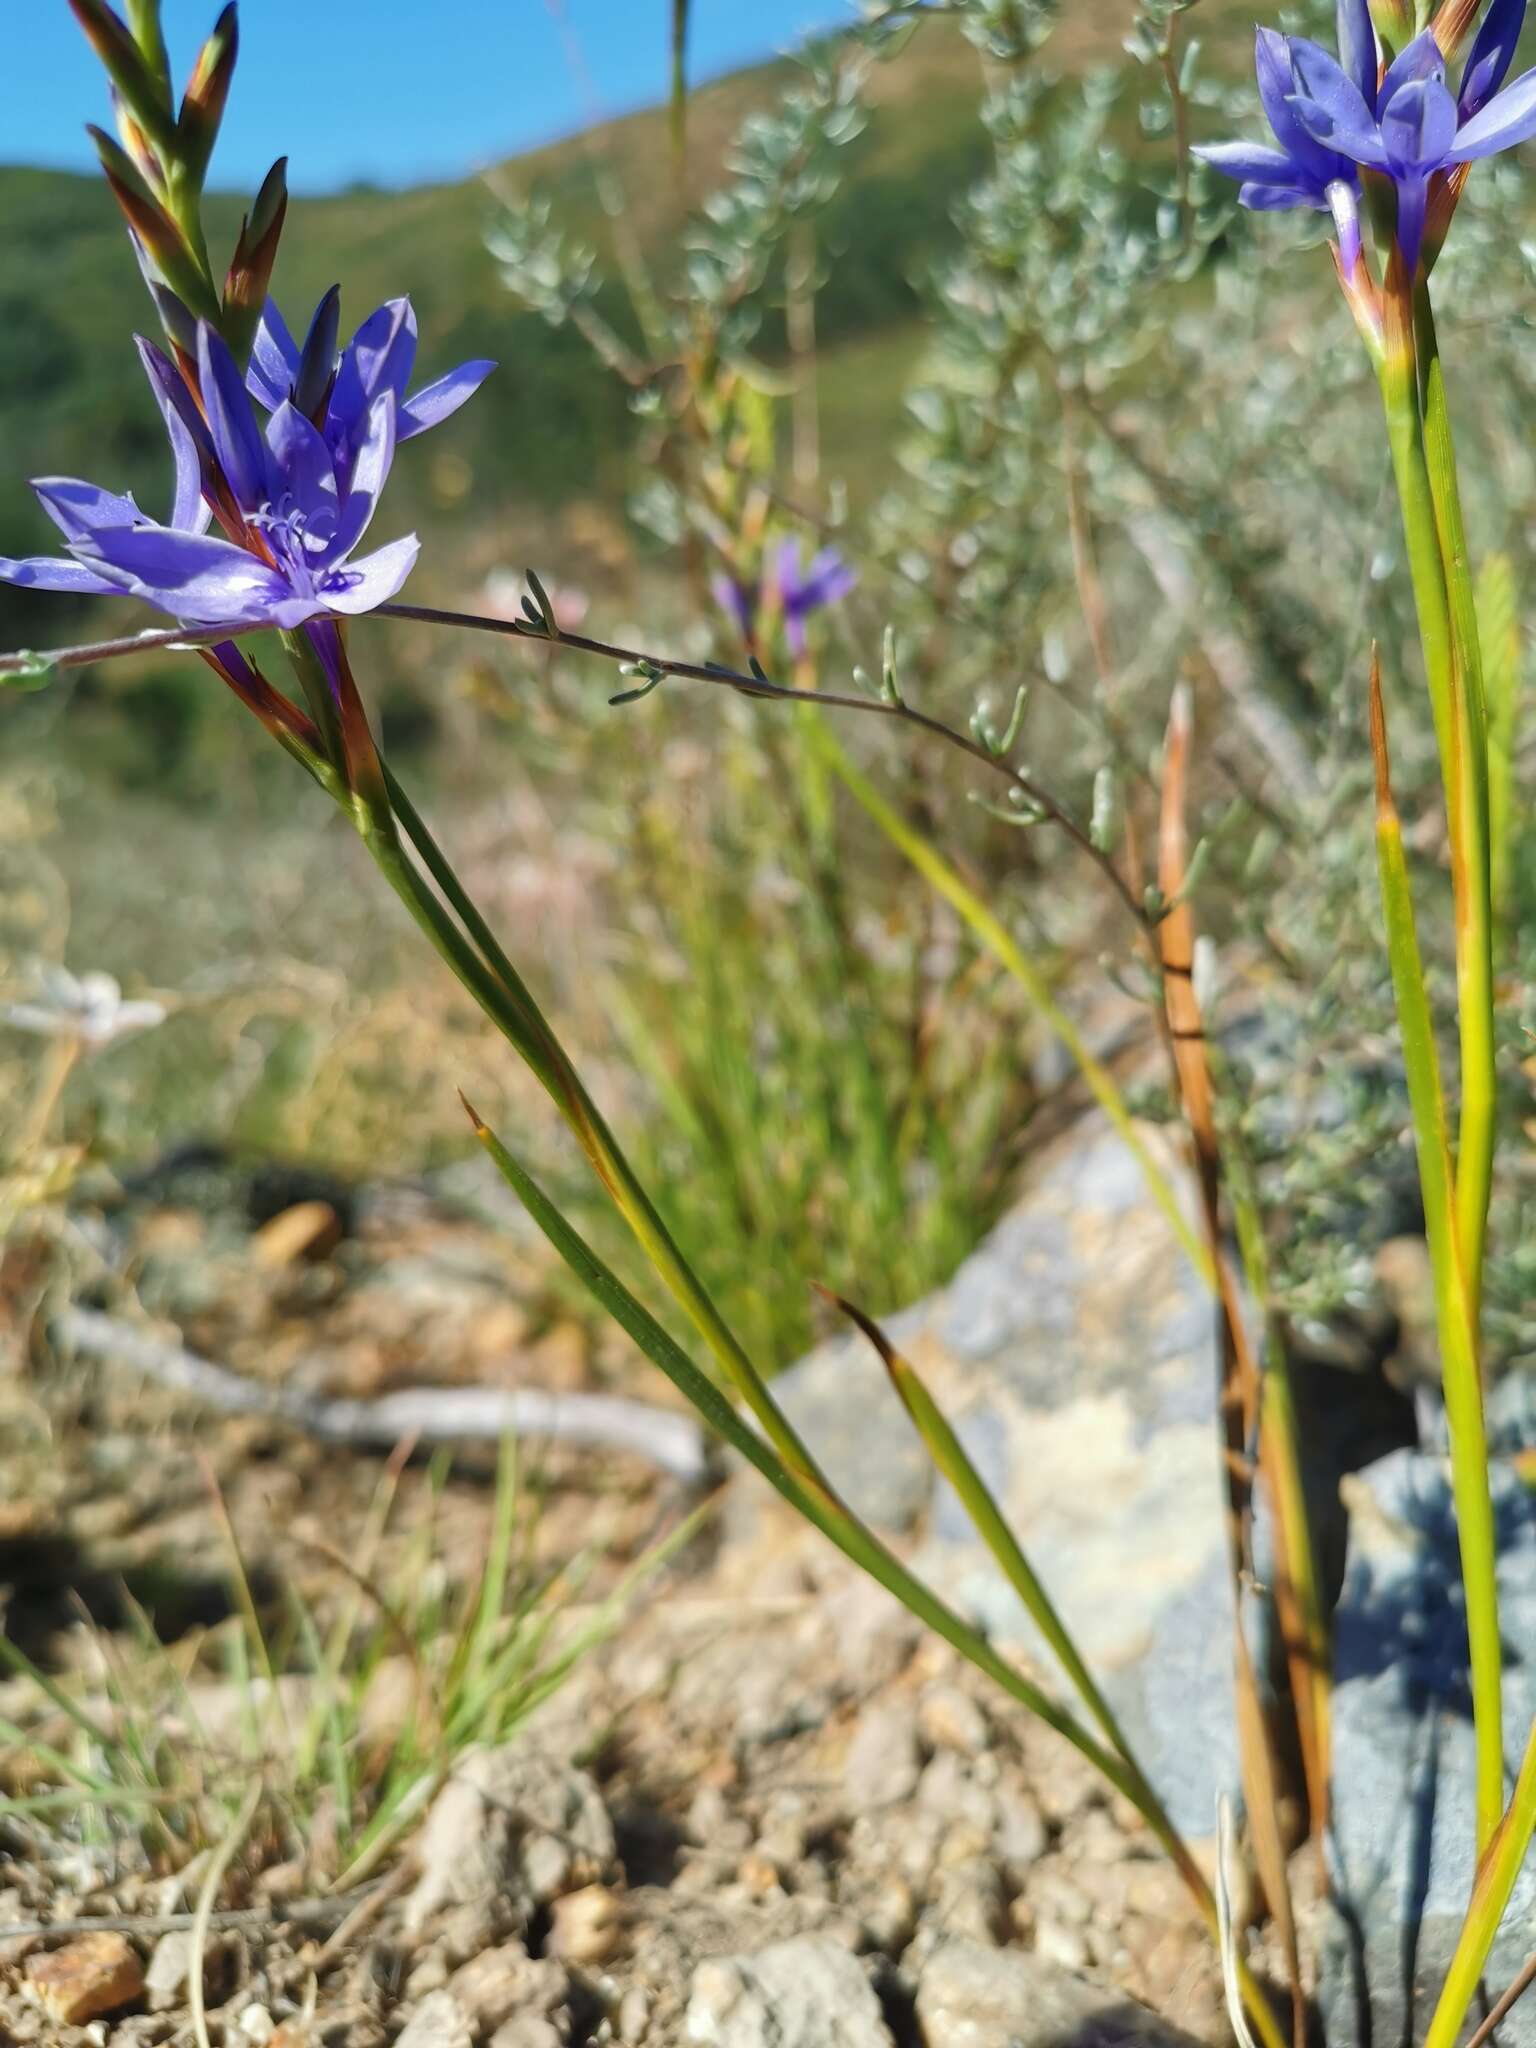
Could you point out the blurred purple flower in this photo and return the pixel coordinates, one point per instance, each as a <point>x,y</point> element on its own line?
<point>294,502</point>
<point>801,592</point>
<point>337,394</point>
<point>739,602</point>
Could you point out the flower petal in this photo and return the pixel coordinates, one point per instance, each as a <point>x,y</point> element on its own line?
<point>1249,160</point>
<point>1508,118</point>
<point>379,357</point>
<point>1492,53</point>
<point>190,447</point>
<point>1274,62</point>
<point>1357,47</point>
<point>1329,106</point>
<point>1418,126</point>
<point>237,444</point>
<point>49,572</point>
<point>317,365</point>
<point>1277,198</point>
<point>434,402</point>
<point>1418,60</point>
<point>370,469</point>
<point>77,508</point>
<point>274,359</point>
<point>373,581</point>
<point>304,467</point>
<point>197,578</point>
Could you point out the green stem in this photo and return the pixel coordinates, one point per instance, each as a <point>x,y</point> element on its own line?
<point>1496,1874</point>
<point>1458,1341</point>
<point>485,971</point>
<point>1471,864</point>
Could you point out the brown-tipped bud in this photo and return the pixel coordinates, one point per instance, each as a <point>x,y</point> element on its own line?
<point>250,271</point>
<point>126,67</point>
<point>152,227</point>
<point>1385,808</point>
<point>144,21</point>
<point>145,157</point>
<point>202,106</point>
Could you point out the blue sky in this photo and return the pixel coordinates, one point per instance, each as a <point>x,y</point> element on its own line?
<point>396,91</point>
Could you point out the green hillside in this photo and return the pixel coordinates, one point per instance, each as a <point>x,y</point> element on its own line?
<point>548,430</point>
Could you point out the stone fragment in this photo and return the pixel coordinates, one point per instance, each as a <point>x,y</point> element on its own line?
<point>92,1975</point>
<point>438,2022</point>
<point>883,1761</point>
<point>973,1997</point>
<point>586,1925</point>
<point>804,1993</point>
<point>514,1823</point>
<point>950,1719</point>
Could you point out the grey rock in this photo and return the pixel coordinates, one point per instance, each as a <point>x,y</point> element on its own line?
<point>805,1993</point>
<point>974,1997</point>
<point>1404,1755</point>
<point>1073,1353</point>
<point>513,1824</point>
<point>438,2022</point>
<point>883,1760</point>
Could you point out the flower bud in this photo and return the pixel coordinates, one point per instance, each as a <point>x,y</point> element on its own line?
<point>317,364</point>
<point>127,68</point>
<point>144,21</point>
<point>250,270</point>
<point>152,227</point>
<point>202,107</point>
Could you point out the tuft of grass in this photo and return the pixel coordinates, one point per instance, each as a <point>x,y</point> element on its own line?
<point>147,1771</point>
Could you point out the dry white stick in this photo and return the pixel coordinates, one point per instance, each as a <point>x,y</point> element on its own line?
<point>430,1414</point>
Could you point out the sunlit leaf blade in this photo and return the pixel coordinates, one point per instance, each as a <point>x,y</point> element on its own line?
<point>1499,629</point>
<point>1497,1870</point>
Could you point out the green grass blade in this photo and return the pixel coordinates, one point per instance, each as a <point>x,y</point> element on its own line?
<point>999,941</point>
<point>953,1461</point>
<point>1498,622</point>
<point>1497,1870</point>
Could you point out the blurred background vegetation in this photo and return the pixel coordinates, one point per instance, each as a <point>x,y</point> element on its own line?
<point>1072,420</point>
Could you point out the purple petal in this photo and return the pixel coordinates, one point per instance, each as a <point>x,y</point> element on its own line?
<point>378,358</point>
<point>198,578</point>
<point>1416,61</point>
<point>1277,198</point>
<point>188,510</point>
<point>1491,55</point>
<point>237,444</point>
<point>828,578</point>
<point>1357,48</point>
<point>304,467</point>
<point>274,360</point>
<point>735,601</point>
<point>434,402</point>
<point>1249,160</point>
<point>369,470</point>
<point>317,365</point>
<point>1330,107</point>
<point>77,508</point>
<point>373,581</point>
<point>1418,126</point>
<point>46,572</point>
<point>1272,65</point>
<point>1508,118</point>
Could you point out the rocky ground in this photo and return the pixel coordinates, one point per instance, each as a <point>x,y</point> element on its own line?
<point>765,1813</point>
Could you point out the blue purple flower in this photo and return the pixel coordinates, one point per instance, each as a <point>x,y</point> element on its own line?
<point>1405,124</point>
<point>797,592</point>
<point>337,394</point>
<point>294,502</point>
<point>803,591</point>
